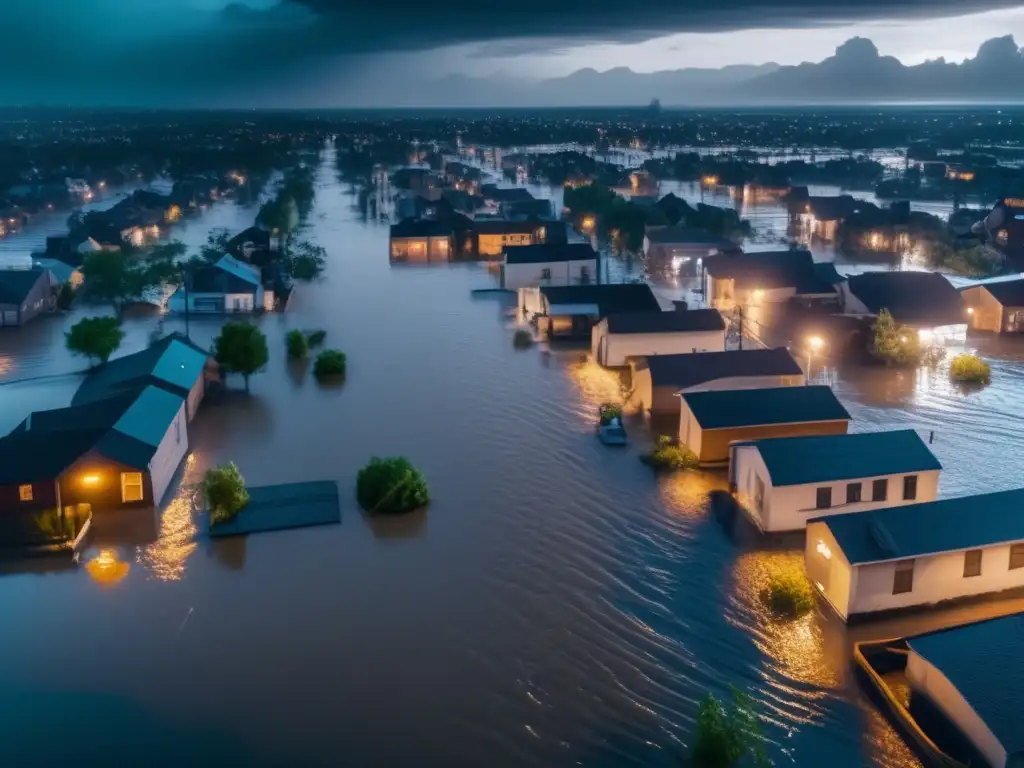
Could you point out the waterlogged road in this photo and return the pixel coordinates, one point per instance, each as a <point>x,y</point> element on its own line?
<point>557,604</point>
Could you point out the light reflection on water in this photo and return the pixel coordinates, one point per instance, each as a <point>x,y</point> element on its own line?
<point>167,556</point>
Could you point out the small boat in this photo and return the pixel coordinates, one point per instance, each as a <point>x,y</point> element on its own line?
<point>609,426</point>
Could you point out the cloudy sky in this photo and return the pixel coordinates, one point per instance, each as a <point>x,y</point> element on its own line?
<point>325,52</point>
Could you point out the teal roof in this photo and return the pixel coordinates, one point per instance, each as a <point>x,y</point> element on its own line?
<point>824,458</point>
<point>761,407</point>
<point>149,417</point>
<point>950,525</point>
<point>242,271</point>
<point>180,365</point>
<point>984,663</point>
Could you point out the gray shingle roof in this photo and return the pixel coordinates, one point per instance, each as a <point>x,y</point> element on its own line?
<point>667,322</point>
<point>755,407</point>
<point>824,458</point>
<point>549,252</point>
<point>770,269</point>
<point>915,298</point>
<point>684,371</point>
<point>983,661</point>
<point>949,525</point>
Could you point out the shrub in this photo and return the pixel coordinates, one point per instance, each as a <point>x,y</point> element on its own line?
<point>725,736</point>
<point>522,339</point>
<point>316,338</point>
<point>667,455</point>
<point>298,348</point>
<point>892,344</point>
<point>788,594</point>
<point>970,369</point>
<point>330,362</point>
<point>224,488</point>
<point>609,411</point>
<point>391,486</point>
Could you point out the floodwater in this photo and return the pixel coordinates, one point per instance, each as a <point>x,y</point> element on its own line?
<point>556,605</point>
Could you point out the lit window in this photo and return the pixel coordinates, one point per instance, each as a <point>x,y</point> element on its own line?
<point>131,487</point>
<point>25,492</point>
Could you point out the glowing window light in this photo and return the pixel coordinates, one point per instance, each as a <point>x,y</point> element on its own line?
<point>823,550</point>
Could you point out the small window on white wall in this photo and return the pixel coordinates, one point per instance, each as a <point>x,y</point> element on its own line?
<point>131,487</point>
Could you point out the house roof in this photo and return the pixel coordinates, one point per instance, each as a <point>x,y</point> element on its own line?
<point>684,371</point>
<point>421,228</point>
<point>1009,293</point>
<point>725,409</point>
<point>17,284</point>
<point>667,322</point>
<point>149,416</point>
<point>897,533</point>
<point>770,269</point>
<point>826,272</point>
<point>215,279</point>
<point>984,663</point>
<point>914,298</point>
<point>549,252</point>
<point>832,208</point>
<point>610,299</point>
<point>824,458</point>
<point>503,227</point>
<point>687,236</point>
<point>245,272</point>
<point>32,456</point>
<point>510,195</point>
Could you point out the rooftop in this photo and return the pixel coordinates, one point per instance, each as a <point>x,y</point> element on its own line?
<point>824,458</point>
<point>684,371</point>
<point>16,284</point>
<point>914,298</point>
<point>771,269</point>
<point>984,663</point>
<point>1009,293</point>
<point>503,227</point>
<point>421,228</point>
<point>667,322</point>
<point>549,252</point>
<point>687,235</point>
<point>610,299</point>
<point>897,533</point>
<point>725,409</point>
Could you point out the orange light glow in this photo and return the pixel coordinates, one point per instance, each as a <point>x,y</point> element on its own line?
<point>90,479</point>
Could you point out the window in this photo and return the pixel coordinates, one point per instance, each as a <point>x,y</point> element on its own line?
<point>972,563</point>
<point>824,500</point>
<point>25,492</point>
<point>909,487</point>
<point>545,274</point>
<point>1016,556</point>
<point>880,489</point>
<point>903,578</point>
<point>852,493</point>
<point>131,486</point>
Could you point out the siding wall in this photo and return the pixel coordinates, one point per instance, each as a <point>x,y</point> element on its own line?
<point>712,446</point>
<point>518,276</point>
<point>195,397</point>
<point>168,456</point>
<point>492,245</point>
<point>663,399</point>
<point>615,349</point>
<point>928,679</point>
<point>832,575</point>
<point>106,492</point>
<point>988,313</point>
<point>44,496</point>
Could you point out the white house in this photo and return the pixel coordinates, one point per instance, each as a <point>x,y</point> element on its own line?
<point>769,277</point>
<point>618,339</point>
<point>527,266</point>
<point>972,675</point>
<point>573,310</point>
<point>229,285</point>
<point>783,481</point>
<point>917,555</point>
<point>656,381</point>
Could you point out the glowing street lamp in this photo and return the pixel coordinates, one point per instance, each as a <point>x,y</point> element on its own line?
<point>814,344</point>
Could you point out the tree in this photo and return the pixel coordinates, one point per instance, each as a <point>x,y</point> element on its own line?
<point>216,245</point>
<point>725,736</point>
<point>391,486</point>
<point>893,344</point>
<point>118,276</point>
<point>298,347</point>
<point>241,348</point>
<point>226,495</point>
<point>330,362</point>
<point>95,337</point>
<point>305,261</point>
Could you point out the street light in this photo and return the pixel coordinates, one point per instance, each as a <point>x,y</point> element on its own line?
<point>814,344</point>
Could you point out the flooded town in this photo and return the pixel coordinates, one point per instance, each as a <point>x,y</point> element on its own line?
<point>725,421</point>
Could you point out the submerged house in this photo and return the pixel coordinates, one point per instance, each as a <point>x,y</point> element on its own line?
<point>971,674</point>
<point>492,236</point>
<point>996,306</point>
<point>25,294</point>
<point>421,240</point>
<point>919,555</point>
<point>229,285</point>
<point>820,217</point>
<point>658,380</point>
<point>572,311</point>
<point>548,264</point>
<point>783,481</point>
<point>753,279</point>
<point>683,248</point>
<point>709,422</point>
<point>925,301</point>
<point>619,339</point>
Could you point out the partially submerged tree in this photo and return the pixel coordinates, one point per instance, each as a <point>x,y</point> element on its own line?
<point>119,276</point>
<point>330,362</point>
<point>95,337</point>
<point>216,245</point>
<point>298,347</point>
<point>970,369</point>
<point>894,344</point>
<point>225,492</point>
<point>391,486</point>
<point>305,261</point>
<point>241,348</point>
<point>726,737</point>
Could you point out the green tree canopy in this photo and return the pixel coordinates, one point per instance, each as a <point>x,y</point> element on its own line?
<point>241,348</point>
<point>226,495</point>
<point>894,344</point>
<point>95,337</point>
<point>305,261</point>
<point>119,276</point>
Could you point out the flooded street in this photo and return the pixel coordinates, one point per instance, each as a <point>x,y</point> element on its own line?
<point>556,605</point>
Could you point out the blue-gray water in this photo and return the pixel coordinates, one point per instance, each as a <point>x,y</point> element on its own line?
<point>556,605</point>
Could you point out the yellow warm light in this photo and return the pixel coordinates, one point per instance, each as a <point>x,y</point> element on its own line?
<point>757,293</point>
<point>90,479</point>
<point>588,222</point>
<point>970,310</point>
<point>815,343</point>
<point>823,550</point>
<point>106,568</point>
<point>710,180</point>
<point>925,335</point>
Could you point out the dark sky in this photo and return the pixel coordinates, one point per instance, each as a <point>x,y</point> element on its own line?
<point>342,52</point>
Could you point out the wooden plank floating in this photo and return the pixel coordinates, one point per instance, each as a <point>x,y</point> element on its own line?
<point>279,507</point>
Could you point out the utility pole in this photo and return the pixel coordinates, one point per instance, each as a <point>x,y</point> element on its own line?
<point>741,327</point>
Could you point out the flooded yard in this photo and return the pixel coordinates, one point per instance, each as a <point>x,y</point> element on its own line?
<point>556,605</point>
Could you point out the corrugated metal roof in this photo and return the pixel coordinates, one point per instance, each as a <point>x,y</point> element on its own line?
<point>949,525</point>
<point>824,458</point>
<point>755,407</point>
<point>984,663</point>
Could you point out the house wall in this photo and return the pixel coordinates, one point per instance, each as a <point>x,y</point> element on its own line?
<point>530,303</point>
<point>827,567</point>
<point>518,276</point>
<point>493,245</point>
<point>39,300</point>
<point>268,300</point>
<point>987,312</point>
<point>172,449</point>
<point>663,399</point>
<point>44,496</point>
<point>615,349</point>
<point>788,508</point>
<point>239,302</point>
<point>195,397</point>
<point>714,443</point>
<point>105,493</point>
<point>926,678</point>
<point>689,256</point>
<point>409,248</point>
<point>727,293</point>
<point>936,578</point>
